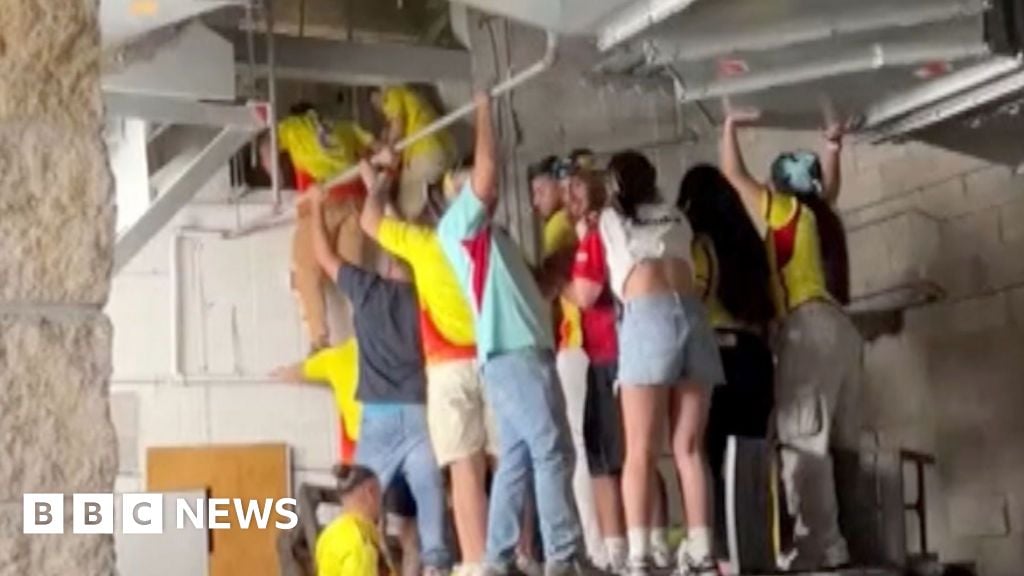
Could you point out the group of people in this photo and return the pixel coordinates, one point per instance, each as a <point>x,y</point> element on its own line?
<point>719,314</point>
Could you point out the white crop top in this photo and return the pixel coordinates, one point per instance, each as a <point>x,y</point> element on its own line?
<point>659,231</point>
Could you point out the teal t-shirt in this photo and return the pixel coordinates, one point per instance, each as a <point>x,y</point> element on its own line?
<point>508,307</point>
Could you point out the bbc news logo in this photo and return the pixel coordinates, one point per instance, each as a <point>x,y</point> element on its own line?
<point>144,513</point>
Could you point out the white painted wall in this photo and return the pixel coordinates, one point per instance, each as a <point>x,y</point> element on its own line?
<point>238,322</point>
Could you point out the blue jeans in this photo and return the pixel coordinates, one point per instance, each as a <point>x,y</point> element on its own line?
<point>393,439</point>
<point>533,434</point>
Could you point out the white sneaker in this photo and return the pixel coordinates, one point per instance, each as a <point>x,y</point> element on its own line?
<point>661,558</point>
<point>528,566</point>
<point>636,568</point>
<point>469,570</point>
<point>689,566</point>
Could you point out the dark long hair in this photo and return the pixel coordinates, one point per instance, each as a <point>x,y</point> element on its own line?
<point>637,181</point>
<point>715,211</point>
<point>835,258</point>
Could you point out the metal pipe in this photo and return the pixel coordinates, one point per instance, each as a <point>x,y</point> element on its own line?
<point>872,58</point>
<point>954,106</point>
<point>810,29</point>
<point>250,43</point>
<point>637,18</point>
<point>275,156</point>
<point>938,89</point>
<point>550,55</point>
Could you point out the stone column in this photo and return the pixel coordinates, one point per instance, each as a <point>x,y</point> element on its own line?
<point>56,248</point>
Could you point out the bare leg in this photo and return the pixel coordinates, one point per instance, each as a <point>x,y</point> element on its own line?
<point>642,416</point>
<point>469,498</point>
<point>661,554</point>
<point>690,404</point>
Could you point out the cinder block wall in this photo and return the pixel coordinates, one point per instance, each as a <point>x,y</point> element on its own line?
<point>56,234</point>
<point>952,383</point>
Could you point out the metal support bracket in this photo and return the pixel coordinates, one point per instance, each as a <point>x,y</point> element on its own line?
<point>197,173</point>
<point>165,110</point>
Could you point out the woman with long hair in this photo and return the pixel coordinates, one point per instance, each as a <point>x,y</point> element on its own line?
<point>668,361</point>
<point>734,281</point>
<point>819,349</point>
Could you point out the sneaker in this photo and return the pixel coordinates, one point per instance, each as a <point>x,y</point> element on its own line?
<point>435,571</point>
<point>661,558</point>
<point>636,568</point>
<point>528,566</point>
<point>469,570</point>
<point>689,566</point>
<point>573,568</point>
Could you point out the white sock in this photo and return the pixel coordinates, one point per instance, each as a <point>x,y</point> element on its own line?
<point>615,547</point>
<point>638,544</point>
<point>659,538</point>
<point>698,542</point>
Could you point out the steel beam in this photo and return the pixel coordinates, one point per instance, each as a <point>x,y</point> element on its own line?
<point>697,41</point>
<point>939,89</point>
<point>952,107</point>
<point>342,62</point>
<point>864,59</point>
<point>166,110</point>
<point>197,173</point>
<point>636,18</point>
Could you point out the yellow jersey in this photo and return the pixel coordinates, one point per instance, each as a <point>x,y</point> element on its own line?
<point>705,272</point>
<point>322,149</point>
<point>404,104</point>
<point>446,318</point>
<point>339,366</point>
<point>350,546</point>
<point>794,252</point>
<point>559,235</point>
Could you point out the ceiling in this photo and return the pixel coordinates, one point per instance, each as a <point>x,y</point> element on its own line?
<point>125,20</point>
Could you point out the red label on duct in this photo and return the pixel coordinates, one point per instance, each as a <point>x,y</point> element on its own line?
<point>731,67</point>
<point>933,69</point>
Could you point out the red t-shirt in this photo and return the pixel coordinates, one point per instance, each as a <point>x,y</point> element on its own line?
<point>600,338</point>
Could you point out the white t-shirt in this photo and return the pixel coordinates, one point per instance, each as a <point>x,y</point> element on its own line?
<point>659,231</point>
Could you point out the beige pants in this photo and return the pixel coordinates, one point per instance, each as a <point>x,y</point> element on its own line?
<point>419,170</point>
<point>341,221</point>
<point>818,384</point>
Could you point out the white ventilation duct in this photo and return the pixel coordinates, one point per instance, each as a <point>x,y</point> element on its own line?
<point>124,20</point>
<point>562,16</point>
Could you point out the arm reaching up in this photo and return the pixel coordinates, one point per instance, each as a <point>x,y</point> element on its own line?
<point>830,163</point>
<point>485,160</point>
<point>377,187</point>
<point>735,170</point>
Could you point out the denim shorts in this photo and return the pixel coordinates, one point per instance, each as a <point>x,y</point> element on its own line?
<point>666,338</point>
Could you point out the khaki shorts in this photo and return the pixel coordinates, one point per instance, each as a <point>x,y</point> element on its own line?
<point>461,424</point>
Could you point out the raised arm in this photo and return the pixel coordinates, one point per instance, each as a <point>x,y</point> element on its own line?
<point>377,187</point>
<point>328,260</point>
<point>830,164</point>
<point>485,169</point>
<point>735,170</point>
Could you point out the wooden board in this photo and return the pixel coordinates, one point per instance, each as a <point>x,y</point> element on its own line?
<point>236,471</point>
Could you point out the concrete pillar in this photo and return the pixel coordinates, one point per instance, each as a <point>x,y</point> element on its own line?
<point>56,248</point>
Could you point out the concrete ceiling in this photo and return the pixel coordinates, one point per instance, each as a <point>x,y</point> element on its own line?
<point>124,20</point>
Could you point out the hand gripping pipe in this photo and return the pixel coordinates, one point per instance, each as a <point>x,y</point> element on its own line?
<point>537,68</point>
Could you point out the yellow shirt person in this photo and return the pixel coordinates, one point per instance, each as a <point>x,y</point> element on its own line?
<point>338,367</point>
<point>349,546</point>
<point>794,252</point>
<point>448,320</point>
<point>407,113</point>
<point>322,149</point>
<point>559,235</point>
